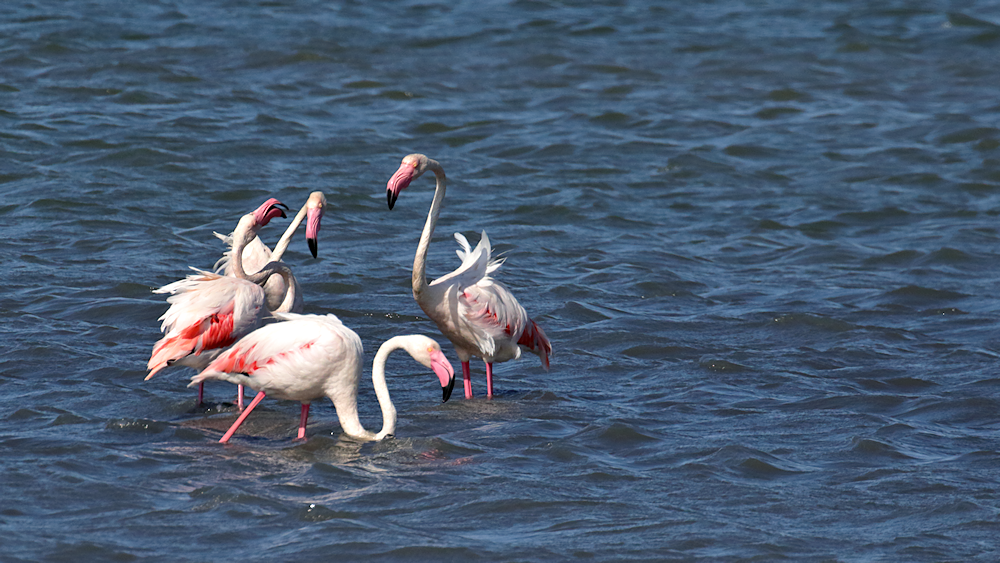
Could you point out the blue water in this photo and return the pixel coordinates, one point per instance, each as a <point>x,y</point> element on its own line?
<point>762,238</point>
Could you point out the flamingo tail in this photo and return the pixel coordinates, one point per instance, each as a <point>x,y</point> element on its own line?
<point>533,338</point>
<point>211,332</point>
<point>166,351</point>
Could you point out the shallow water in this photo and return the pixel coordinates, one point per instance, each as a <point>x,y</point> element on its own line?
<point>762,239</point>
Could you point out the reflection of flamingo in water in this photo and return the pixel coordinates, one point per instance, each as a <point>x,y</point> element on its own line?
<point>209,312</point>
<point>477,313</point>
<point>309,356</point>
<point>256,254</point>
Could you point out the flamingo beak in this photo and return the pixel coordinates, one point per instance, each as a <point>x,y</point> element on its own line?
<point>269,210</point>
<point>446,374</point>
<point>399,181</point>
<point>313,217</point>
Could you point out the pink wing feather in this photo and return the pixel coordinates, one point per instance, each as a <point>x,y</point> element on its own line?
<point>207,312</point>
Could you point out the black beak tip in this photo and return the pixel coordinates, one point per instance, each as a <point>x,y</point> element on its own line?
<point>391,197</point>
<point>278,206</point>
<point>446,391</point>
<point>312,246</point>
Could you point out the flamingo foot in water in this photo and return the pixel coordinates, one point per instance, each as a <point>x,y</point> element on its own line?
<point>467,379</point>
<point>232,429</point>
<point>302,421</point>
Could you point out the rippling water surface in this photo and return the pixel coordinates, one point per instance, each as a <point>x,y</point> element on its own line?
<point>763,239</point>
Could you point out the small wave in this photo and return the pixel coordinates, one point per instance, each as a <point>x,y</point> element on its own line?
<point>870,448</point>
<point>915,294</point>
<point>136,426</point>
<point>722,366</point>
<point>812,322</point>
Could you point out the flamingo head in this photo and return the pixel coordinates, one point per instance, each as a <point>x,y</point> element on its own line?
<point>268,210</point>
<point>428,353</point>
<point>251,223</point>
<point>412,167</point>
<point>314,213</point>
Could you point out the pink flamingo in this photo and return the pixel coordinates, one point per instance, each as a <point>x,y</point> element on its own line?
<point>477,313</point>
<point>256,254</point>
<point>209,312</point>
<point>306,357</point>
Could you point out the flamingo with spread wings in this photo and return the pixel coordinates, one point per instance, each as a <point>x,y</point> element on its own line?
<point>256,254</point>
<point>478,314</point>
<point>307,357</point>
<point>209,312</point>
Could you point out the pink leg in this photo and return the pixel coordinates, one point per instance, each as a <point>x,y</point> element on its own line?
<point>232,429</point>
<point>489,380</point>
<point>467,378</point>
<point>302,421</point>
<point>201,392</point>
<point>239,397</point>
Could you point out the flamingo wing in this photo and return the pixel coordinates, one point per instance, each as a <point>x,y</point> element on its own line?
<point>492,313</point>
<point>207,312</point>
<point>486,308</point>
<point>476,265</point>
<point>290,359</point>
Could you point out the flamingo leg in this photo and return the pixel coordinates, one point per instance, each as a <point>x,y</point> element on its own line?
<point>232,429</point>
<point>467,379</point>
<point>201,392</point>
<point>239,397</point>
<point>489,380</point>
<point>302,421</point>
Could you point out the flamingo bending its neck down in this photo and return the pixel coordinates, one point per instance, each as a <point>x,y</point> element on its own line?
<point>209,312</point>
<point>477,313</point>
<point>256,254</point>
<point>306,357</point>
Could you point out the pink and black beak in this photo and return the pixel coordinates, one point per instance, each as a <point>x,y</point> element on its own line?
<point>446,374</point>
<point>402,178</point>
<point>313,217</point>
<point>269,210</point>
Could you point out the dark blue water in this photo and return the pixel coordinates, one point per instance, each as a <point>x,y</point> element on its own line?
<point>762,238</point>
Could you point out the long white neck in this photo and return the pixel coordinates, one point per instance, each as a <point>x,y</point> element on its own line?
<point>381,389</point>
<point>241,237</point>
<point>420,260</point>
<point>286,239</point>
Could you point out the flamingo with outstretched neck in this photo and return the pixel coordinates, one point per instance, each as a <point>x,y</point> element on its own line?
<point>209,312</point>
<point>256,254</point>
<point>307,357</point>
<point>478,314</point>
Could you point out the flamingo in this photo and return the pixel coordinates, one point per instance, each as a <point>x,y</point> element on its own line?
<point>478,314</point>
<point>256,253</point>
<point>209,312</point>
<point>306,357</point>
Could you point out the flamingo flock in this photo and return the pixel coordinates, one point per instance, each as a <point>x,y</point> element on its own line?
<point>216,320</point>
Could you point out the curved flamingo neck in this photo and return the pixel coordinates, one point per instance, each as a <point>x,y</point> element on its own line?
<point>420,260</point>
<point>242,236</point>
<point>281,269</point>
<point>286,238</point>
<point>381,389</point>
